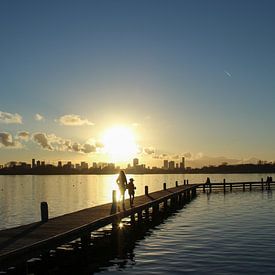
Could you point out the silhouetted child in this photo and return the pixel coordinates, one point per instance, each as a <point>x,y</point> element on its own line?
<point>131,191</point>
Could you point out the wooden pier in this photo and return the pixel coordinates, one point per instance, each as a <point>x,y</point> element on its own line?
<point>21,243</point>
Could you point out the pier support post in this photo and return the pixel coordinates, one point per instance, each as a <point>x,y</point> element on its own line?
<point>85,240</point>
<point>203,188</point>
<point>243,186</point>
<point>194,192</point>
<point>224,186</point>
<point>114,203</point>
<point>184,182</point>
<point>133,219</point>
<point>250,186</point>
<point>146,190</point>
<point>187,182</point>
<point>262,182</point>
<point>177,183</point>
<point>230,187</point>
<point>147,213</point>
<point>44,211</point>
<point>165,205</point>
<point>155,210</point>
<point>139,216</point>
<point>164,186</point>
<point>188,197</point>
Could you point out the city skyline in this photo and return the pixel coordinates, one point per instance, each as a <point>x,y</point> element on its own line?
<point>189,79</point>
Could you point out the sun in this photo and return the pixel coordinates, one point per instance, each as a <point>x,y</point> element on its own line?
<point>119,143</point>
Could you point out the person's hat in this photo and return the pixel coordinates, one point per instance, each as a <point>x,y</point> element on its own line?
<point>131,179</point>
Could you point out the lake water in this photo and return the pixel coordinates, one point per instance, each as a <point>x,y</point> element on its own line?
<point>214,234</point>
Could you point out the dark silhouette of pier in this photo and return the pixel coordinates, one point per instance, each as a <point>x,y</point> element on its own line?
<point>21,243</point>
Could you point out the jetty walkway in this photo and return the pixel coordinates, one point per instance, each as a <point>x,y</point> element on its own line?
<point>23,242</point>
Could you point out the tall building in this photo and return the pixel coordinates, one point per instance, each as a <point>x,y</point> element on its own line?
<point>165,164</point>
<point>135,162</point>
<point>84,165</point>
<point>171,164</point>
<point>182,164</point>
<point>59,165</point>
<point>33,163</point>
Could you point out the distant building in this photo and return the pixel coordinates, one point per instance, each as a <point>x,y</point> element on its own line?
<point>59,164</point>
<point>171,165</point>
<point>38,163</point>
<point>165,164</point>
<point>43,163</point>
<point>33,163</point>
<point>94,165</point>
<point>182,164</point>
<point>135,162</point>
<point>177,165</point>
<point>84,165</point>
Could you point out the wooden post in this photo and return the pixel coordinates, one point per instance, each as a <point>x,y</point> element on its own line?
<point>133,219</point>
<point>140,216</point>
<point>262,182</point>
<point>243,186</point>
<point>230,187</point>
<point>250,186</point>
<point>165,205</point>
<point>114,203</point>
<point>184,182</point>
<point>203,188</point>
<point>177,183</point>
<point>188,198</point>
<point>147,213</point>
<point>155,210</point>
<point>164,186</point>
<point>146,190</point>
<point>85,240</point>
<point>187,182</point>
<point>210,187</point>
<point>44,211</point>
<point>224,186</point>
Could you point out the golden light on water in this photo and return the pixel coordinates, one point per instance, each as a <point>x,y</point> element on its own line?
<point>120,143</point>
<point>120,225</point>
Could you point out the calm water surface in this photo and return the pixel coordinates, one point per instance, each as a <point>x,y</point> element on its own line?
<point>214,234</point>
<point>20,196</point>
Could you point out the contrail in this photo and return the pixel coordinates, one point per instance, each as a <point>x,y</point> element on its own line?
<point>227,73</point>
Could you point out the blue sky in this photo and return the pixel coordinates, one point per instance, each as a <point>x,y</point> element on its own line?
<point>188,76</point>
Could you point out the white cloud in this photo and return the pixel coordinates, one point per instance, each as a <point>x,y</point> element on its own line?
<point>23,135</point>
<point>88,148</point>
<point>43,140</point>
<point>73,120</point>
<point>9,118</point>
<point>53,143</point>
<point>38,117</point>
<point>148,150</point>
<point>6,140</point>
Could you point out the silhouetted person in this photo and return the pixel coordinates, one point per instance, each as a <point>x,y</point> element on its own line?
<point>208,181</point>
<point>268,181</point>
<point>122,183</point>
<point>131,191</point>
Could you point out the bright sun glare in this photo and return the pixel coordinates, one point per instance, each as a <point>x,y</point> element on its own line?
<point>119,143</point>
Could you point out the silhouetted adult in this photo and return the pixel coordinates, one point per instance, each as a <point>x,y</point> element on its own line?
<point>122,184</point>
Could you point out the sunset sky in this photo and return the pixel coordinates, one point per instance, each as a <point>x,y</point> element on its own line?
<point>160,79</point>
